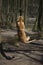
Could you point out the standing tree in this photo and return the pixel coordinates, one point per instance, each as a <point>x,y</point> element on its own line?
<point>40,14</point>
<point>0,12</point>
<point>37,25</point>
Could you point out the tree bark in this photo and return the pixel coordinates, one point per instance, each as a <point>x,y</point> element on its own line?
<point>40,14</point>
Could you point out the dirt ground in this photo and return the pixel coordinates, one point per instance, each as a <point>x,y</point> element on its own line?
<point>20,59</point>
<point>34,55</point>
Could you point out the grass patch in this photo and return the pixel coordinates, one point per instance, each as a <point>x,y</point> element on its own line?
<point>14,41</point>
<point>0,56</point>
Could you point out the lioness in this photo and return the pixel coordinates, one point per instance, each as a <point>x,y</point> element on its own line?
<point>21,30</point>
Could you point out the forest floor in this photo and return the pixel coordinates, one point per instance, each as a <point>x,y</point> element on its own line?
<point>30,54</point>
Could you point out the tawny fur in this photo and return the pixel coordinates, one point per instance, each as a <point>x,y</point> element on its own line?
<point>21,27</point>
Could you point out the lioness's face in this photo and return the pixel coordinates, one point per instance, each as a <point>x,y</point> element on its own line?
<point>20,18</point>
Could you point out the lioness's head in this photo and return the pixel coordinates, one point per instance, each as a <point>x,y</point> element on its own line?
<point>20,18</point>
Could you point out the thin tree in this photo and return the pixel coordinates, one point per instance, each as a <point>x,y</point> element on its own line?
<point>40,14</point>
<point>37,25</point>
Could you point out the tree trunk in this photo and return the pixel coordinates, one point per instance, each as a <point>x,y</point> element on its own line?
<point>40,14</point>
<point>37,25</point>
